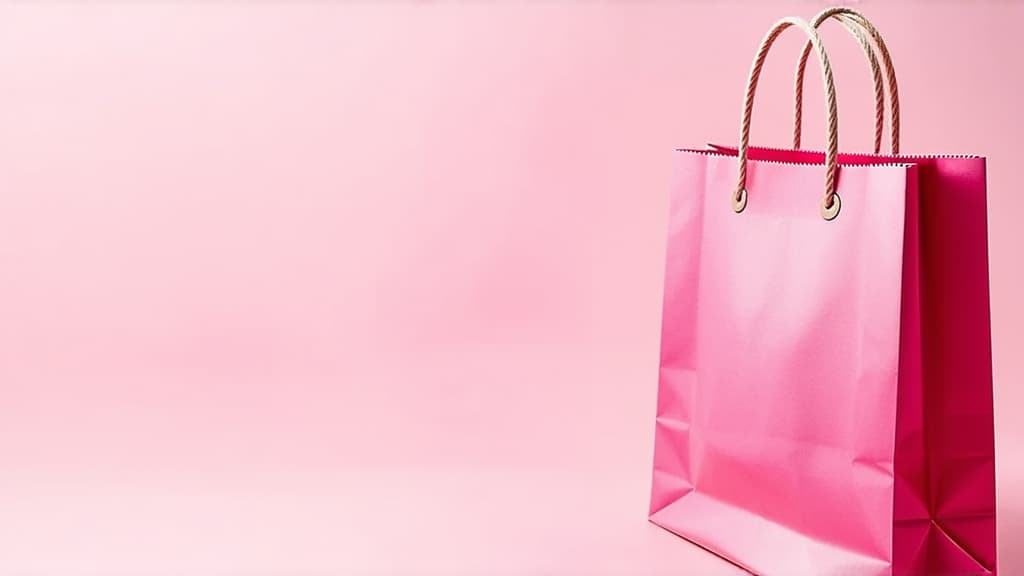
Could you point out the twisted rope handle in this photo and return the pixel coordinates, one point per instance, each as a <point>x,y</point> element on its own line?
<point>855,29</point>
<point>853,19</point>
<point>830,202</point>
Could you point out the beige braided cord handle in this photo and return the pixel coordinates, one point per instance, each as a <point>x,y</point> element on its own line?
<point>830,202</point>
<point>851,19</point>
<point>854,28</point>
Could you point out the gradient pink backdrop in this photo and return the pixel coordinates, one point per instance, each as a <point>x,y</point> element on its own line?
<point>343,288</point>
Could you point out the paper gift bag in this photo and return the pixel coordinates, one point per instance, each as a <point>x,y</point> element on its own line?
<point>825,386</point>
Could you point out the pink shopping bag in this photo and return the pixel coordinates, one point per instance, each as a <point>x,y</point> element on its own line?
<point>825,389</point>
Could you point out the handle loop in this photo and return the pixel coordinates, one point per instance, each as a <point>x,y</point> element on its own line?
<point>851,19</point>
<point>831,202</point>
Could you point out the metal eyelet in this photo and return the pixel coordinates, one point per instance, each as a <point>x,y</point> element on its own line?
<point>739,202</point>
<point>830,212</point>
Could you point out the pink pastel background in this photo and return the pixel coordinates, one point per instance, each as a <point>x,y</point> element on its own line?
<point>356,288</point>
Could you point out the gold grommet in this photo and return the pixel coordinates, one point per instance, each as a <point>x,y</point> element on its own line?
<point>830,212</point>
<point>739,202</point>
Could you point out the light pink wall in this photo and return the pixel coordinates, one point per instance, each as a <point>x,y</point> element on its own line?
<point>334,288</point>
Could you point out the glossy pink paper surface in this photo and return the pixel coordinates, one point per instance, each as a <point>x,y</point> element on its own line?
<point>779,371</point>
<point>817,370</point>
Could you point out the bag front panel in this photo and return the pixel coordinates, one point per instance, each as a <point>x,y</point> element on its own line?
<point>780,357</point>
